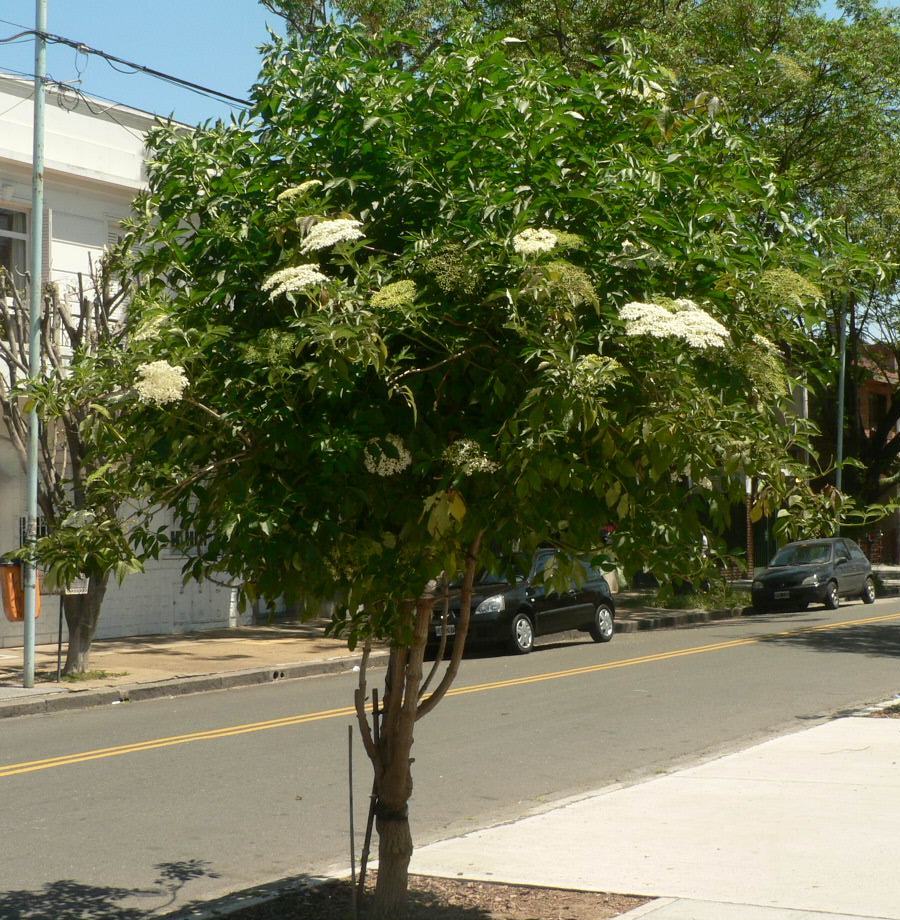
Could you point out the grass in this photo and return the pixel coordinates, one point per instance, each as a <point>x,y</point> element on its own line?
<point>49,676</point>
<point>93,675</point>
<point>718,597</point>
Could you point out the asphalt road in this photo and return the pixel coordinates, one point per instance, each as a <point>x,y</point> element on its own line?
<point>140,808</point>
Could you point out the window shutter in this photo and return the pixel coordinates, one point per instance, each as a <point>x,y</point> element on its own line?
<point>113,233</point>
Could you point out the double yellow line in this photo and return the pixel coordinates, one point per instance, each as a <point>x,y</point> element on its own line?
<point>33,766</point>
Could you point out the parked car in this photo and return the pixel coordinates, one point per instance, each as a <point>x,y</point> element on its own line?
<point>814,571</point>
<point>514,613</point>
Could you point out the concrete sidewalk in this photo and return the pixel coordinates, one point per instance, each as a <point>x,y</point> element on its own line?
<point>803,827</point>
<point>146,667</point>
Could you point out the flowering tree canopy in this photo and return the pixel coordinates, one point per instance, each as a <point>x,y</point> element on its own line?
<point>565,274</point>
<point>426,316</point>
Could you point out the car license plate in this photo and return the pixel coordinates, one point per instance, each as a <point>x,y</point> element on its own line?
<point>442,630</point>
<point>782,595</point>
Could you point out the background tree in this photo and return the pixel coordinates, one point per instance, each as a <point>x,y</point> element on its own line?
<point>76,324</point>
<point>821,93</point>
<point>403,319</point>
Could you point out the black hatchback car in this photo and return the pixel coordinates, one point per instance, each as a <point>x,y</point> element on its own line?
<point>814,571</point>
<point>514,614</point>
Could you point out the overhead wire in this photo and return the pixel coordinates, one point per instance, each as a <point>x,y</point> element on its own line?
<point>62,88</point>
<point>112,60</point>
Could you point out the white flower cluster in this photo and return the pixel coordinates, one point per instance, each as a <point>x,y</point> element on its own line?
<point>150,328</point>
<point>531,241</point>
<point>160,382</point>
<point>293,279</point>
<point>466,457</point>
<point>329,232</point>
<point>298,191</point>
<point>379,463</point>
<point>79,518</point>
<point>763,342</point>
<point>687,321</point>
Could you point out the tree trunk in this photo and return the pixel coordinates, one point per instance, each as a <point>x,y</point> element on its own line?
<point>390,744</point>
<point>82,615</point>
<point>393,779</point>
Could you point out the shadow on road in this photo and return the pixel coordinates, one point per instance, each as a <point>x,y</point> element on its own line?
<point>880,640</point>
<point>71,900</point>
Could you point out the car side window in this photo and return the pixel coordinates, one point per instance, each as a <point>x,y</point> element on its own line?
<point>855,552</point>
<point>841,549</point>
<point>540,563</point>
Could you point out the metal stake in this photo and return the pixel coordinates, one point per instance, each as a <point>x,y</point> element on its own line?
<point>352,832</point>
<point>373,801</point>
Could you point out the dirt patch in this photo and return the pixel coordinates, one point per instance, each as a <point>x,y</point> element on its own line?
<point>451,899</point>
<point>890,712</point>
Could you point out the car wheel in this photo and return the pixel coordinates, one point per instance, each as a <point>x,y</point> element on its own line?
<point>522,637</point>
<point>868,594</point>
<point>832,598</point>
<point>603,627</point>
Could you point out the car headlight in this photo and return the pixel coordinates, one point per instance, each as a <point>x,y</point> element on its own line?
<point>810,580</point>
<point>491,605</point>
<point>757,584</point>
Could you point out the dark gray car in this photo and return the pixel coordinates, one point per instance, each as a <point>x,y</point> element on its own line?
<point>814,571</point>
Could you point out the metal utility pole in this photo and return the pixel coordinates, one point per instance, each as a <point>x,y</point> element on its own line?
<point>842,373</point>
<point>34,332</point>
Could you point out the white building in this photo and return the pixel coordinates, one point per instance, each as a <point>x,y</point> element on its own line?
<point>94,166</point>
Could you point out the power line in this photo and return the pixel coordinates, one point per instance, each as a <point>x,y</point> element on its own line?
<point>112,59</point>
<point>62,87</point>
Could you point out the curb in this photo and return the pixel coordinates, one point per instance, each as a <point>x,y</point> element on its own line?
<point>178,686</point>
<point>667,619</point>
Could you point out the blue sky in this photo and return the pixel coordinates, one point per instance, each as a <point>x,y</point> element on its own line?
<point>212,42</point>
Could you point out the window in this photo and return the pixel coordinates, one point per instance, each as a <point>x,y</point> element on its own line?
<point>13,236</point>
<point>878,409</point>
<point>855,552</point>
<point>42,529</point>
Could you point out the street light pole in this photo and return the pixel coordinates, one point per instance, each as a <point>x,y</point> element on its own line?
<point>34,331</point>
<point>842,373</point>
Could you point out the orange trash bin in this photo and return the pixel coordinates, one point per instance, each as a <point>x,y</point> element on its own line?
<point>13,592</point>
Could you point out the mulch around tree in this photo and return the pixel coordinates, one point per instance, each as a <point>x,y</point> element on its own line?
<point>449,899</point>
<point>889,712</point>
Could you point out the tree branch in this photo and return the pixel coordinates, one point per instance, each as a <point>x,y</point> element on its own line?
<point>359,699</point>
<point>462,630</point>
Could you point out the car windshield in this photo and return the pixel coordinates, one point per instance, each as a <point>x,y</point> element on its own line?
<point>802,554</point>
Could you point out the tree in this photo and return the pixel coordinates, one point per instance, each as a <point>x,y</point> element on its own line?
<point>408,317</point>
<point>76,324</point>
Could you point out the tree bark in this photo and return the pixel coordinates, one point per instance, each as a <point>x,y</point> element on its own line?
<point>82,613</point>
<point>393,776</point>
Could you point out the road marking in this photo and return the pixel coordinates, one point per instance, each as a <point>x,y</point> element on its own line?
<point>33,766</point>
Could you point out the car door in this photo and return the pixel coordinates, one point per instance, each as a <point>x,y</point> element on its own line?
<point>580,611</point>
<point>845,570</point>
<point>550,607</point>
<point>861,566</point>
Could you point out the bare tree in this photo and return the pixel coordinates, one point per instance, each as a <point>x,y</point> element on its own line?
<point>81,320</point>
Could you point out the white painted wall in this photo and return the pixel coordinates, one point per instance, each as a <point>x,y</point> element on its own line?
<point>95,167</point>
